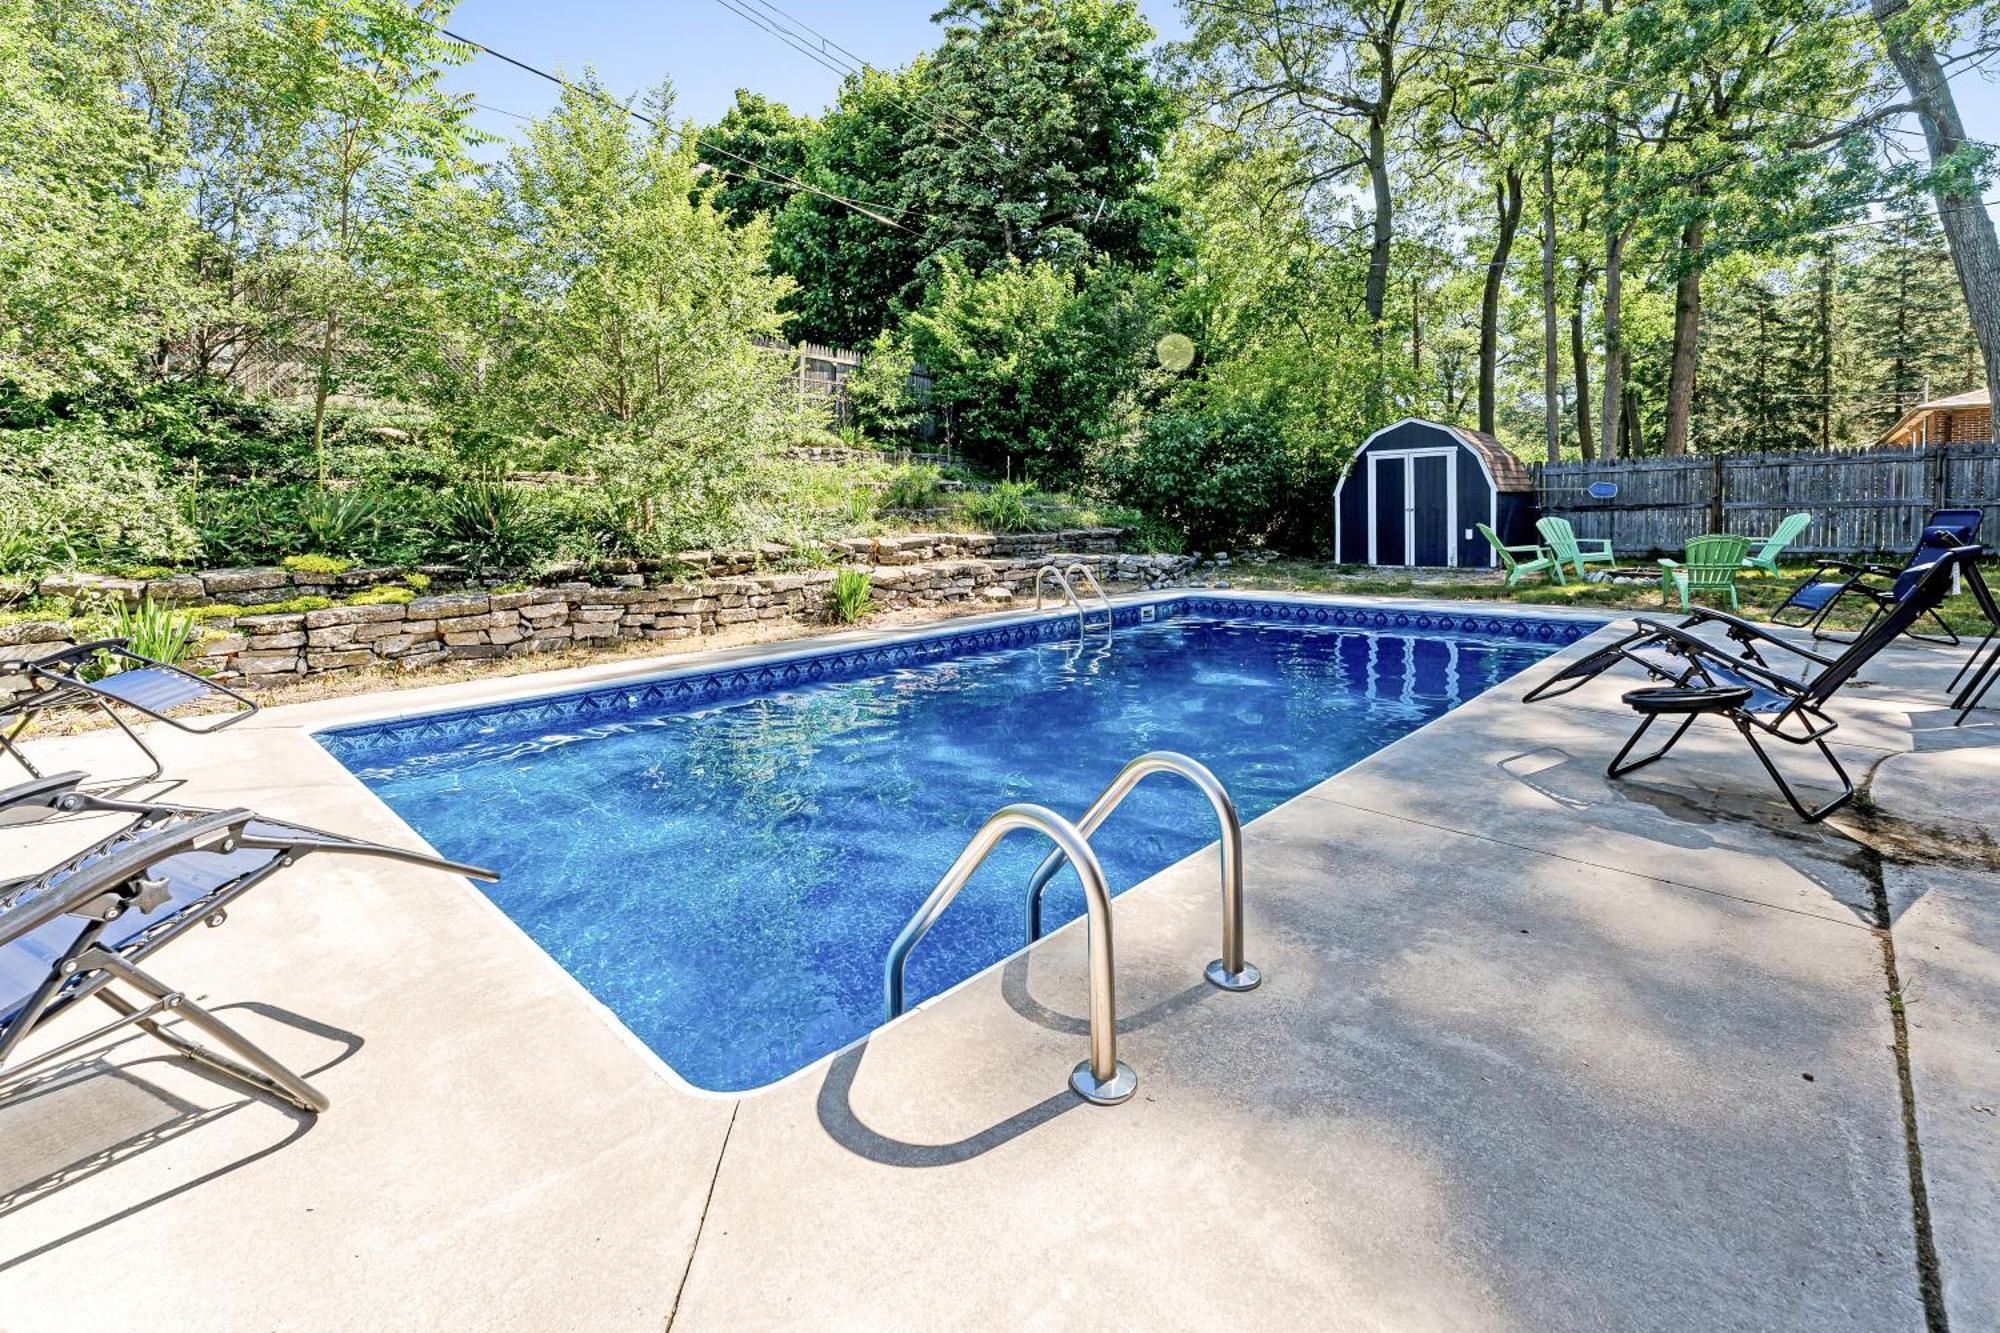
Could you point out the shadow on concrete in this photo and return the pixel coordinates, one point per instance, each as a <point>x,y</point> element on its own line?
<point>836,1115</point>
<point>92,1095</point>
<point>1014,989</point>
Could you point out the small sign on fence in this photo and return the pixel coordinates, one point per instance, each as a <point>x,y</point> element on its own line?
<point>1604,490</point>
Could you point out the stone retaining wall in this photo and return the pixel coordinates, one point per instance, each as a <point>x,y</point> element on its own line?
<point>653,604</point>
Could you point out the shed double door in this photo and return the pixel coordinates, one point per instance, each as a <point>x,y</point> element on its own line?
<point>1415,496</point>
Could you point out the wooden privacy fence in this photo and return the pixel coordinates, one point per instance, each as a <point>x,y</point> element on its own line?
<point>1860,500</point>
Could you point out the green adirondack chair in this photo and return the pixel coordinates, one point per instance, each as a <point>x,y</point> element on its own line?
<point>1521,561</point>
<point>1768,551</point>
<point>1572,550</point>
<point>1711,565</point>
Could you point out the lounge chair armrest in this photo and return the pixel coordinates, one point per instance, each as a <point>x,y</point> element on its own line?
<point>272,833</point>
<point>1603,544</point>
<point>41,791</point>
<point>1532,552</point>
<point>1742,630</point>
<point>1669,564</point>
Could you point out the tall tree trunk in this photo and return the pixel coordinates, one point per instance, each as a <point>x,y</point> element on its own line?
<point>1375,294</point>
<point>1968,229</point>
<point>1687,342</point>
<point>1631,444</point>
<point>1507,205</point>
<point>1614,340</point>
<point>1824,318</point>
<point>1416,326</point>
<point>1551,371</point>
<point>1579,353</point>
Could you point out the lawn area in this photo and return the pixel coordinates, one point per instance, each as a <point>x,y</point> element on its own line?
<point>1760,594</point>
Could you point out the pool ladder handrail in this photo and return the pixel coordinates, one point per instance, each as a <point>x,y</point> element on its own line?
<point>1229,972</point>
<point>1102,1079</point>
<point>1068,592</point>
<point>1076,567</point>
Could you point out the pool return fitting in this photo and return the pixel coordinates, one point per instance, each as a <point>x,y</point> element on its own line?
<point>1103,1079</point>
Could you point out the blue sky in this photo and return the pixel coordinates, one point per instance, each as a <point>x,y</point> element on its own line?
<point>710,52</point>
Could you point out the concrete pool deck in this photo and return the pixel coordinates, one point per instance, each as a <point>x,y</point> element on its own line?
<point>1535,1050</point>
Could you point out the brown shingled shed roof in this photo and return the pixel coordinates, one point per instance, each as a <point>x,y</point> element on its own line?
<point>1509,473</point>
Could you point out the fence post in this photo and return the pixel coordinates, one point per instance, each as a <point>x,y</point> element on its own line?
<point>1716,517</point>
<point>1941,482</point>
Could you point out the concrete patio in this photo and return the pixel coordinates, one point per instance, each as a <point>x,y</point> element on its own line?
<point>1535,1050</point>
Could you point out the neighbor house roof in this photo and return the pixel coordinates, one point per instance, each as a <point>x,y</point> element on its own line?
<point>1971,400</point>
<point>1509,473</point>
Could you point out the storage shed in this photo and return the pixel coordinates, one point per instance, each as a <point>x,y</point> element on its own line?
<point>1415,489</point>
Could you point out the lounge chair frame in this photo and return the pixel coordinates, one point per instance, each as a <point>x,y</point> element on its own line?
<point>55,681</point>
<point>103,882</point>
<point>1695,666</point>
<point>1853,581</point>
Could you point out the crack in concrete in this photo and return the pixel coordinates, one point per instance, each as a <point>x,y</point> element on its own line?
<point>1869,859</point>
<point>680,1289</point>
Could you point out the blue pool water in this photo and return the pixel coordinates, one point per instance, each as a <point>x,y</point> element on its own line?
<point>727,873</point>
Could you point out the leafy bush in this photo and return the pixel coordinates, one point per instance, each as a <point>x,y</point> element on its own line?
<point>317,564</point>
<point>1033,362</point>
<point>77,493</point>
<point>1219,477</point>
<point>1004,508</point>
<point>880,392</point>
<point>853,597</point>
<point>913,487</point>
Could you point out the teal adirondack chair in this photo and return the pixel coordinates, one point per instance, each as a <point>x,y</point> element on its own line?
<point>1711,565</point>
<point>1572,550</point>
<point>1521,561</point>
<point>1768,551</point>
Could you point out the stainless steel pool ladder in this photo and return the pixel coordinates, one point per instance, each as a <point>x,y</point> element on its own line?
<point>1102,1079</point>
<point>1230,971</point>
<point>1077,567</point>
<point>1061,576</point>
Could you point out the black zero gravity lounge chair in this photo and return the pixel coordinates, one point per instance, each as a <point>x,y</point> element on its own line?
<point>69,933</point>
<point>1746,689</point>
<point>56,680</point>
<point>1815,598</point>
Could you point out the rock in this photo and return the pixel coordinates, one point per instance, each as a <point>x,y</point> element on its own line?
<point>226,584</point>
<point>175,590</point>
<point>354,615</point>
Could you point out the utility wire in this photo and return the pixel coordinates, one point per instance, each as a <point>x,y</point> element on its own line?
<point>867,210</point>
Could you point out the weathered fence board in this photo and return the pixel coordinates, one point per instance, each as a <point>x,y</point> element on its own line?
<point>1860,500</point>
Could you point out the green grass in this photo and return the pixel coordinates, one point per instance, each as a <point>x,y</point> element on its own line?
<point>1759,593</point>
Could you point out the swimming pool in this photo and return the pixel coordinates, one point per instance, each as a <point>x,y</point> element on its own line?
<point>724,855</point>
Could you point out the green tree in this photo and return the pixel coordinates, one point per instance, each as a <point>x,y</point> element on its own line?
<point>750,153</point>
<point>1028,134</point>
<point>587,301</point>
<point>1033,362</point>
<point>94,226</point>
<point>1909,318</point>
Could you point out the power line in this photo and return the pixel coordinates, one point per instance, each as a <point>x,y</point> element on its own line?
<point>867,210</point>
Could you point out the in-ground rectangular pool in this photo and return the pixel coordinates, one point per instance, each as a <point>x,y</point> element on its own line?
<point>724,855</point>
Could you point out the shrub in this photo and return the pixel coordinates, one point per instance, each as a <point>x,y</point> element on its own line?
<point>1219,477</point>
<point>317,564</point>
<point>489,525</point>
<point>416,582</point>
<point>913,487</point>
<point>880,389</point>
<point>154,631</point>
<point>1004,508</point>
<point>76,493</point>
<point>853,597</point>
<point>345,520</point>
